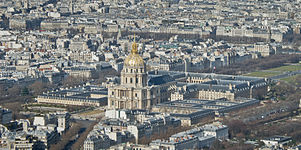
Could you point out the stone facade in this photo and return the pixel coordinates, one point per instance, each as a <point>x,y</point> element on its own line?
<point>134,91</point>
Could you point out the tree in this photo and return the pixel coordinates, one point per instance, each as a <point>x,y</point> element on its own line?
<point>3,91</point>
<point>239,146</point>
<point>71,81</point>
<point>38,87</point>
<point>80,141</point>
<point>256,64</point>
<point>14,91</point>
<point>237,128</point>
<point>297,81</point>
<point>66,137</point>
<point>100,76</point>
<point>281,90</point>
<point>24,91</point>
<point>217,145</point>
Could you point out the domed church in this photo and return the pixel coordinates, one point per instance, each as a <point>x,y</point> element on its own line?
<point>137,90</point>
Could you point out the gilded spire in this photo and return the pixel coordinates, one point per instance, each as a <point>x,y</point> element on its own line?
<point>134,59</point>
<point>134,47</point>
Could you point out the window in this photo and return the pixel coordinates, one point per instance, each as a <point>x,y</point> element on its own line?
<point>112,93</point>
<point>131,80</point>
<point>136,95</point>
<point>126,80</point>
<point>112,102</point>
<point>137,80</point>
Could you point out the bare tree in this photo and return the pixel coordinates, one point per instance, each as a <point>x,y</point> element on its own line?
<point>73,81</point>
<point>217,145</point>
<point>38,87</point>
<point>66,137</point>
<point>256,64</point>
<point>14,91</point>
<point>100,76</point>
<point>80,141</point>
<point>3,91</point>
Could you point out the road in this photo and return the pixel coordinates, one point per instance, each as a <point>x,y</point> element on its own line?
<point>84,125</point>
<point>286,74</point>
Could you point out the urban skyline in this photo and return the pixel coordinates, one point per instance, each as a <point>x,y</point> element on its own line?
<point>150,74</point>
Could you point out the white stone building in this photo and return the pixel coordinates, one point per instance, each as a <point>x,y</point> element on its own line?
<point>216,129</point>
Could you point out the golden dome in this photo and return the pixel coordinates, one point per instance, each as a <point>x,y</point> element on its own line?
<point>134,59</point>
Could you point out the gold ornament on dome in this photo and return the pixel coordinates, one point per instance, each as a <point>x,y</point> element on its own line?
<point>134,59</point>
<point>134,48</point>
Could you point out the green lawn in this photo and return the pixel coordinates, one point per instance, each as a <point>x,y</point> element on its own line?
<point>275,71</point>
<point>262,74</point>
<point>287,68</point>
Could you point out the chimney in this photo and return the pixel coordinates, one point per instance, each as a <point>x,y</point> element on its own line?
<point>185,87</point>
<point>156,71</point>
<point>230,86</point>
